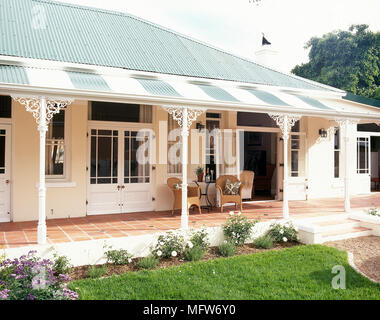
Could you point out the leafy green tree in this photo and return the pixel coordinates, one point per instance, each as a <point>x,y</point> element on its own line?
<point>349,60</point>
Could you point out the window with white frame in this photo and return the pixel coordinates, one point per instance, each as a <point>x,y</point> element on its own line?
<point>296,155</point>
<point>174,139</point>
<point>55,147</point>
<point>337,146</point>
<point>295,146</point>
<point>363,155</point>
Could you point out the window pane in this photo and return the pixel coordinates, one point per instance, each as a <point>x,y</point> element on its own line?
<point>126,157</point>
<point>5,107</point>
<point>363,155</point>
<point>104,157</point>
<point>336,164</point>
<point>2,152</point>
<point>296,127</point>
<point>135,167</point>
<point>121,112</point>
<point>337,139</point>
<point>54,158</point>
<point>93,156</point>
<point>57,126</point>
<point>294,164</point>
<point>255,120</point>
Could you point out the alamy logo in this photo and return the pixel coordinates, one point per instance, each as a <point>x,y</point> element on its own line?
<point>39,17</point>
<point>339,281</point>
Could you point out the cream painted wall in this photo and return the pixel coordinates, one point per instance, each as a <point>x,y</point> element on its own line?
<point>320,159</point>
<point>62,202</point>
<point>70,201</point>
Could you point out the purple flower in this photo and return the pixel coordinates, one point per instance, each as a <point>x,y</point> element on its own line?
<point>4,294</point>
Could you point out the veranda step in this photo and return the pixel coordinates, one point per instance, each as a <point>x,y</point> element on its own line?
<point>348,233</point>
<point>327,223</point>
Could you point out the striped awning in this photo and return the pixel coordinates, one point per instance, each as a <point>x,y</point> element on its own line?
<point>186,90</point>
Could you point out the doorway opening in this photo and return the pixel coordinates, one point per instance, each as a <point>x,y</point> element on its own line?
<point>260,156</point>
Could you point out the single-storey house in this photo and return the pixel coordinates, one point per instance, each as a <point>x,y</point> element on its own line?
<point>84,90</point>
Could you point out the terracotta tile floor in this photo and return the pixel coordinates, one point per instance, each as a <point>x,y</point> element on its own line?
<point>18,234</point>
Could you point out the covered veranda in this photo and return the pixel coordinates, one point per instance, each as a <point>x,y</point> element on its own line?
<point>24,234</point>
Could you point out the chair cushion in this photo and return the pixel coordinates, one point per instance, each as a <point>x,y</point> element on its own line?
<point>177,186</point>
<point>232,188</point>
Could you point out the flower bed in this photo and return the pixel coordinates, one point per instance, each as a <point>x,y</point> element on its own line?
<point>33,278</point>
<point>212,253</point>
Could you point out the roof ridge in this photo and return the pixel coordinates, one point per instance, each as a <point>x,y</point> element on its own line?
<point>176,33</point>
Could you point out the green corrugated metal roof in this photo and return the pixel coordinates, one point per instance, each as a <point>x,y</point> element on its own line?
<point>313,102</point>
<point>217,93</point>
<point>360,99</point>
<point>88,81</point>
<point>98,37</point>
<point>158,87</point>
<point>267,97</point>
<point>11,74</point>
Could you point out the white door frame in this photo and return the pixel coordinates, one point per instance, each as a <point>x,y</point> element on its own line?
<point>5,179</point>
<point>121,127</point>
<point>277,132</point>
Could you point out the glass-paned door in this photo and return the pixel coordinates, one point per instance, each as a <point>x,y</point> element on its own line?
<point>5,153</point>
<point>118,182</point>
<point>137,192</point>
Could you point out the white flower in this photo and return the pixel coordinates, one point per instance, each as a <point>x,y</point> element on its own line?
<point>213,271</point>
<point>239,213</point>
<point>225,241</point>
<point>129,260</point>
<point>284,239</point>
<point>159,253</point>
<point>231,213</point>
<point>190,244</point>
<point>174,253</point>
<point>281,231</point>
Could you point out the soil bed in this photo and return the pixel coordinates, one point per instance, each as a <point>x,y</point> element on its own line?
<point>212,253</point>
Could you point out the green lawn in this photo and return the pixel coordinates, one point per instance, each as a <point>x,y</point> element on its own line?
<point>301,272</point>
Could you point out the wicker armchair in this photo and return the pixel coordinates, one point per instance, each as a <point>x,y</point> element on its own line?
<point>193,195</point>
<point>246,178</point>
<point>228,198</point>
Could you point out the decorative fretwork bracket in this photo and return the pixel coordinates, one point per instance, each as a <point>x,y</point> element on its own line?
<point>53,105</point>
<point>344,123</point>
<point>179,112</point>
<point>285,122</point>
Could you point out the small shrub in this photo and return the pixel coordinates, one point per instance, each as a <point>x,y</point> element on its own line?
<point>61,265</point>
<point>227,249</point>
<point>148,262</point>
<point>238,228</point>
<point>282,232</point>
<point>169,245</point>
<point>32,278</point>
<point>94,272</point>
<point>195,253</point>
<point>118,257</point>
<point>374,212</point>
<point>264,242</point>
<point>200,239</point>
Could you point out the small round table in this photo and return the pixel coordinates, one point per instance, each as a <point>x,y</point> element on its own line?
<point>209,205</point>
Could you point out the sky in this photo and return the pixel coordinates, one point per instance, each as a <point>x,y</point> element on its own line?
<point>236,26</point>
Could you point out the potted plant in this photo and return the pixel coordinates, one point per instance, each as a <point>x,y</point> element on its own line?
<point>199,172</point>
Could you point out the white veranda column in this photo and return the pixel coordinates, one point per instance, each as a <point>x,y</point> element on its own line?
<point>344,128</point>
<point>185,116</point>
<point>43,110</point>
<point>285,122</point>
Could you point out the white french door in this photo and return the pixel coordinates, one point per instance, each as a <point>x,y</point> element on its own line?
<point>362,182</point>
<point>117,182</point>
<point>5,173</point>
